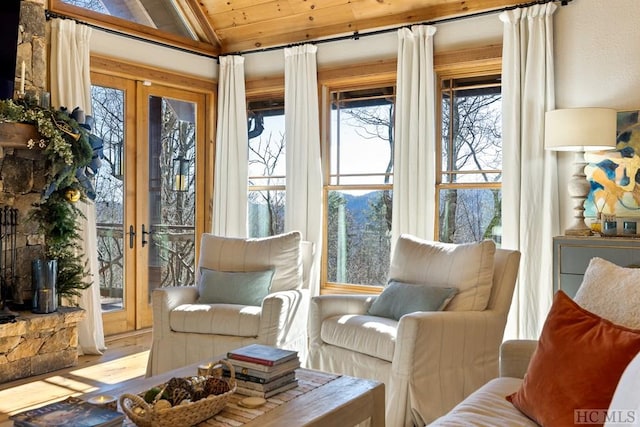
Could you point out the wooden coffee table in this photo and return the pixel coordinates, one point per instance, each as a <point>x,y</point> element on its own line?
<point>320,400</point>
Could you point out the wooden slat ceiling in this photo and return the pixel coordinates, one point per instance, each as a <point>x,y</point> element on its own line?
<point>241,25</point>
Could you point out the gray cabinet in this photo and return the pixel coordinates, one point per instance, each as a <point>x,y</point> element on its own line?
<point>571,256</point>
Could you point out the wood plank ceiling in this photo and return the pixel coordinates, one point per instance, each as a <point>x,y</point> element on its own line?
<point>241,25</point>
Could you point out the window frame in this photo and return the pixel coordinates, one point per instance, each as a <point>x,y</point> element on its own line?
<point>256,94</point>
<point>455,65</point>
<point>128,28</point>
<point>378,74</point>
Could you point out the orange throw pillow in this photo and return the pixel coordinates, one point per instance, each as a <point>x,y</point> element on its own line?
<point>577,364</point>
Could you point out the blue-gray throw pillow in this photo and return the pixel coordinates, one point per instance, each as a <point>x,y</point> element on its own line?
<point>234,287</point>
<point>398,299</point>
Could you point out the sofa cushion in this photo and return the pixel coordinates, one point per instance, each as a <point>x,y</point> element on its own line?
<point>466,267</point>
<point>280,253</point>
<point>233,287</point>
<point>612,292</point>
<point>221,319</point>
<point>487,407</point>
<point>398,299</point>
<point>371,335</point>
<point>577,364</point>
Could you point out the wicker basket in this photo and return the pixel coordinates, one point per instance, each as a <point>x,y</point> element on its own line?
<point>188,414</point>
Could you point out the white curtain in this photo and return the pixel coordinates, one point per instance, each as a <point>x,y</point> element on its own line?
<point>303,210</point>
<point>415,135</point>
<point>530,216</point>
<point>232,145</point>
<point>71,87</point>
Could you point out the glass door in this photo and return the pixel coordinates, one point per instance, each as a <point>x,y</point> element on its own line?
<point>167,170</point>
<point>145,194</point>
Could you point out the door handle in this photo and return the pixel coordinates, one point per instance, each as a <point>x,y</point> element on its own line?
<point>144,236</point>
<point>132,236</point>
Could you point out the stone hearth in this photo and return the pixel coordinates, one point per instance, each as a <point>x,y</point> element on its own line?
<point>39,343</point>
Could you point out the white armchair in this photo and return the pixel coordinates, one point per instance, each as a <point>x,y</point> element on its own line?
<point>186,331</point>
<point>429,361</point>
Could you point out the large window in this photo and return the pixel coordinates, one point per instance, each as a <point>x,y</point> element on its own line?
<point>358,196</point>
<point>267,167</point>
<point>470,166</point>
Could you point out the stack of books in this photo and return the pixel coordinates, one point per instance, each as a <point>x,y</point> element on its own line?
<point>70,412</point>
<point>262,370</point>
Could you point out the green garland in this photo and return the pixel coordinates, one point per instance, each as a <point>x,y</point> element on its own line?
<point>65,146</point>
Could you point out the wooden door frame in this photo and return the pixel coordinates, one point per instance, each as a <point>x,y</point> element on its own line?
<point>192,86</point>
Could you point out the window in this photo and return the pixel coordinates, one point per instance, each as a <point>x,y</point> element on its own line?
<point>470,166</point>
<point>267,167</point>
<point>169,22</point>
<point>358,196</point>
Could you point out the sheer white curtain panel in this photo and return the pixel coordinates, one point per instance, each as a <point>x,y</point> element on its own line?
<point>303,209</point>
<point>232,146</point>
<point>530,213</point>
<point>415,135</point>
<point>71,87</point>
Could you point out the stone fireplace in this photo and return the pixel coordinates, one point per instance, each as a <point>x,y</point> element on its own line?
<point>21,169</point>
<point>34,343</point>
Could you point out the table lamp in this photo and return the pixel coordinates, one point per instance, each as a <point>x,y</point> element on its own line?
<point>580,130</point>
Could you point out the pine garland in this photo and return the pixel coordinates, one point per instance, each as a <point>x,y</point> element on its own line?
<point>65,146</point>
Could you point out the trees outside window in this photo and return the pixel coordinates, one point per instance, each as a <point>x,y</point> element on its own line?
<point>267,167</point>
<point>470,166</point>
<point>358,196</point>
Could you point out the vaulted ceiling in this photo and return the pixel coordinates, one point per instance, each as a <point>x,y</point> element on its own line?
<point>226,26</point>
<point>240,25</point>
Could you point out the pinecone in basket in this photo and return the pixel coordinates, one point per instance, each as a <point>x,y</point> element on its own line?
<point>215,386</point>
<point>178,389</point>
<point>178,395</point>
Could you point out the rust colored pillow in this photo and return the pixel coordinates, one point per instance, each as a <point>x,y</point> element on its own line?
<point>577,364</point>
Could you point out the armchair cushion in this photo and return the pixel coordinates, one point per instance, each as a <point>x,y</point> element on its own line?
<point>234,287</point>
<point>280,253</point>
<point>578,362</point>
<point>375,336</point>
<point>612,292</point>
<point>398,299</point>
<point>467,267</point>
<point>222,319</point>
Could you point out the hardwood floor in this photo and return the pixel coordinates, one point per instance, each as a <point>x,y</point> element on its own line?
<point>125,358</point>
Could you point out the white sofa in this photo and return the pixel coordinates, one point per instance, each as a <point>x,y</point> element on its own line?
<point>428,361</point>
<point>487,407</point>
<point>186,331</point>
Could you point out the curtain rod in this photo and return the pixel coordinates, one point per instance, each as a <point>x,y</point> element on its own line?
<point>50,15</point>
<point>357,35</point>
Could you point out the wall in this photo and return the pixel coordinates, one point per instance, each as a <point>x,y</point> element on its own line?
<point>596,49</point>
<point>597,53</point>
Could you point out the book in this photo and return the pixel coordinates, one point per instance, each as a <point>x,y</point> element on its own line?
<point>262,354</point>
<point>262,371</point>
<point>268,386</point>
<point>69,412</point>
<point>267,394</point>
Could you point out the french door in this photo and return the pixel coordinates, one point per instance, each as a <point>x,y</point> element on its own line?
<point>149,200</point>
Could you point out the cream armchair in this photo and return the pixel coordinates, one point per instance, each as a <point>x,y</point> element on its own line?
<point>429,361</point>
<point>186,331</point>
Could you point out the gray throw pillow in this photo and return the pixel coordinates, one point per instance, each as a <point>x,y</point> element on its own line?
<point>234,287</point>
<point>398,299</point>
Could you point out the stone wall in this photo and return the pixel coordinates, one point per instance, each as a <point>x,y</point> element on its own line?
<point>39,343</point>
<point>32,47</point>
<point>22,170</point>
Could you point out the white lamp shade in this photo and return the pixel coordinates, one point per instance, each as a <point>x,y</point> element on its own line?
<point>580,129</point>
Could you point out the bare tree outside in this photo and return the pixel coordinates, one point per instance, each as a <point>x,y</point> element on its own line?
<point>470,196</point>
<point>360,197</point>
<point>171,238</point>
<point>267,169</point>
